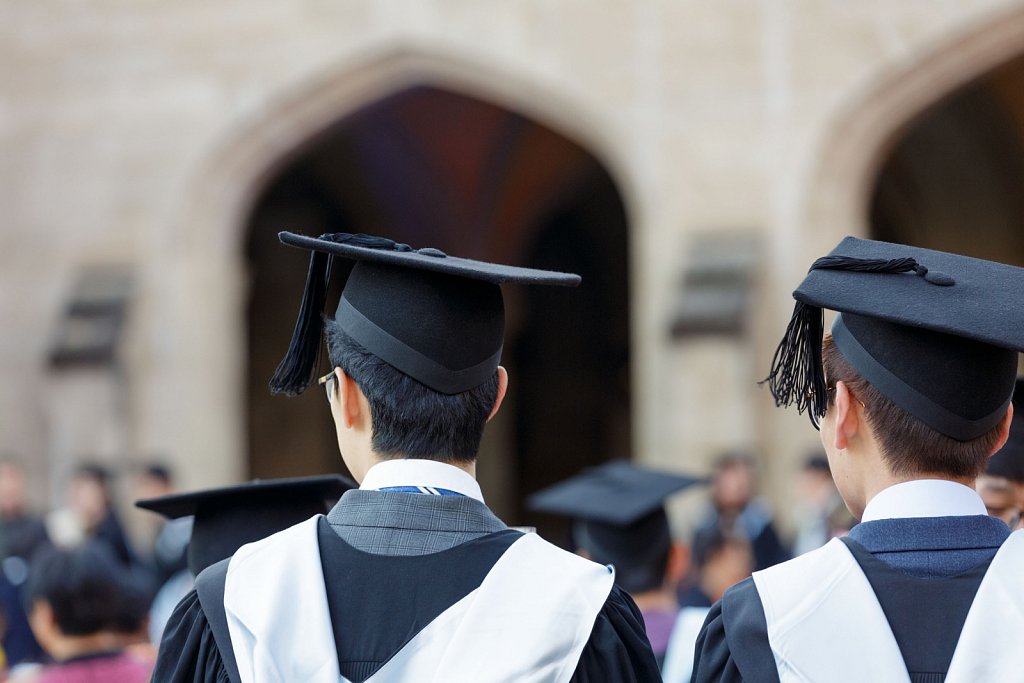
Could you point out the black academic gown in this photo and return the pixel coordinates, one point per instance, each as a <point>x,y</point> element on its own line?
<point>371,625</point>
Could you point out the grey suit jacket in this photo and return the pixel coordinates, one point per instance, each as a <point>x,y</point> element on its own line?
<point>395,523</point>
<point>932,546</point>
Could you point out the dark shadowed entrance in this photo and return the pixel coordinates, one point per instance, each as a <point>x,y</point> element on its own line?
<point>953,179</point>
<point>435,168</point>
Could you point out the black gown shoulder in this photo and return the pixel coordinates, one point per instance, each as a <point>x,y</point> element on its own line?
<point>188,651</point>
<point>617,652</point>
<point>733,643</point>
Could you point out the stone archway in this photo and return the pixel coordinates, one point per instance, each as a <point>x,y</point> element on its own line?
<point>952,179</point>
<point>212,230</point>
<point>866,128</point>
<point>433,167</point>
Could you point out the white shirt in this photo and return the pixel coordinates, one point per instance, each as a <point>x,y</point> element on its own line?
<point>425,474</point>
<point>924,498</point>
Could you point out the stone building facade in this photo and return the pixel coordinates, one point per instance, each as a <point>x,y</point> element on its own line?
<point>140,137</point>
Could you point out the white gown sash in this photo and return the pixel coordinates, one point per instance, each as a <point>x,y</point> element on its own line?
<point>528,621</point>
<point>813,603</point>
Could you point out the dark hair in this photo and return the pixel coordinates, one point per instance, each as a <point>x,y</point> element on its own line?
<point>100,474</point>
<point>157,471</point>
<point>83,587</point>
<point>908,446</point>
<point>410,419</point>
<point>707,545</point>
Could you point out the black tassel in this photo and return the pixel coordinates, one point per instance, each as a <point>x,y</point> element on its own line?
<point>865,265</point>
<point>296,370</point>
<point>796,376</point>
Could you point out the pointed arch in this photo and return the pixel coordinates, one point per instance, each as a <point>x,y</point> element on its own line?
<point>861,135</point>
<point>232,176</point>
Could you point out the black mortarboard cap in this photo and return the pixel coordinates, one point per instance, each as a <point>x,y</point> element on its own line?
<point>227,518</point>
<point>936,333</point>
<point>439,319</point>
<point>1008,461</point>
<point>618,517</point>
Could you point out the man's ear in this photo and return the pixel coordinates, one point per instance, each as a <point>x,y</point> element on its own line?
<point>502,387</point>
<point>1004,430</point>
<point>848,416</point>
<point>350,400</point>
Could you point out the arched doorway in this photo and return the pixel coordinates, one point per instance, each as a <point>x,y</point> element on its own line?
<point>432,167</point>
<point>953,179</point>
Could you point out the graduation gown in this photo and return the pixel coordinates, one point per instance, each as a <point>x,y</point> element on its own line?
<point>371,626</point>
<point>925,573</point>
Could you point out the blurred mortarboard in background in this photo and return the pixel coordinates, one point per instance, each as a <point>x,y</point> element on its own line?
<point>227,518</point>
<point>938,334</point>
<point>618,518</point>
<point>1008,462</point>
<point>402,304</point>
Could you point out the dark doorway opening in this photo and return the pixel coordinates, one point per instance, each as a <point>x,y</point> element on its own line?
<point>431,167</point>
<point>954,179</point>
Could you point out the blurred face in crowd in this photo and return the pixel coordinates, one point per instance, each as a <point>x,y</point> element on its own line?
<point>12,490</point>
<point>733,486</point>
<point>1002,497</point>
<point>88,498</point>
<point>816,486</point>
<point>149,486</point>
<point>729,564</point>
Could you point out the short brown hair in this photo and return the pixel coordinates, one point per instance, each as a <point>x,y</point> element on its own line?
<point>908,446</point>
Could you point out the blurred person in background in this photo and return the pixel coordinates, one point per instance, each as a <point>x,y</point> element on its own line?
<point>222,520</point>
<point>22,535</point>
<point>619,519</point>
<point>821,514</point>
<point>722,561</point>
<point>736,511</point>
<point>77,599</point>
<point>170,542</point>
<point>1001,486</point>
<point>90,497</point>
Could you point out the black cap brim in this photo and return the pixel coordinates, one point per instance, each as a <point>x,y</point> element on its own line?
<point>432,260</point>
<point>617,493</point>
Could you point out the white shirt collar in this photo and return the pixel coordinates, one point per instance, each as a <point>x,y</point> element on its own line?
<point>417,472</point>
<point>924,498</point>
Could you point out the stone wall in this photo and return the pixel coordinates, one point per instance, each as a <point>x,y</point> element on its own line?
<point>140,133</point>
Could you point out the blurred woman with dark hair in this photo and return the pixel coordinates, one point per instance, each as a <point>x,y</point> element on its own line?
<point>76,600</point>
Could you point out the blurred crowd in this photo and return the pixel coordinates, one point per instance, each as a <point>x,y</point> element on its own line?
<point>78,597</point>
<point>79,601</point>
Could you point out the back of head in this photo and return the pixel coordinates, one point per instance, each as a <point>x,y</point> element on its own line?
<point>84,588</point>
<point>908,445</point>
<point>410,419</point>
<point>926,341</point>
<point>420,332</point>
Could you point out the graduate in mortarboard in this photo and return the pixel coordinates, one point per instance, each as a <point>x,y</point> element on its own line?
<point>911,391</point>
<point>222,520</point>
<point>619,519</point>
<point>410,577</point>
